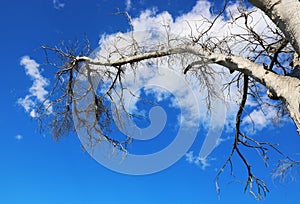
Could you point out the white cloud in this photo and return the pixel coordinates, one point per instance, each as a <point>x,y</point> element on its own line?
<point>57,4</point>
<point>189,157</point>
<point>221,140</point>
<point>128,4</point>
<point>26,102</point>
<point>37,92</point>
<point>18,137</point>
<point>203,163</point>
<point>259,119</point>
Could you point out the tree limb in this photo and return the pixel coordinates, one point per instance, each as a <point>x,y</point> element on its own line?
<point>285,88</point>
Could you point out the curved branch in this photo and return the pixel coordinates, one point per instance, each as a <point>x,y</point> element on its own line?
<point>286,88</point>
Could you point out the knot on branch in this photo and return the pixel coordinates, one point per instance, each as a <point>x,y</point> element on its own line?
<point>272,95</point>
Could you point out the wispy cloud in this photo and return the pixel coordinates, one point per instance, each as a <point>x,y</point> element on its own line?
<point>128,4</point>
<point>259,119</point>
<point>57,4</point>
<point>37,92</point>
<point>189,157</point>
<point>18,137</point>
<point>203,163</point>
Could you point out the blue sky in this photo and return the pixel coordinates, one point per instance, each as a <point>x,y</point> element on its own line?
<point>36,169</point>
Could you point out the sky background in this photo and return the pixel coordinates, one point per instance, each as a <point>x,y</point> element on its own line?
<point>36,169</point>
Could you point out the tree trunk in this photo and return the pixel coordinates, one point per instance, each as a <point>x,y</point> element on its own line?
<point>284,87</point>
<point>286,15</point>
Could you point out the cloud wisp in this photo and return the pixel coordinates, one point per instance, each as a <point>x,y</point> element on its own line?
<point>37,92</point>
<point>19,137</point>
<point>203,163</point>
<point>57,4</point>
<point>128,5</point>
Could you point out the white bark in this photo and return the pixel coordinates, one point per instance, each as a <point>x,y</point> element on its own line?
<point>285,87</point>
<point>286,15</point>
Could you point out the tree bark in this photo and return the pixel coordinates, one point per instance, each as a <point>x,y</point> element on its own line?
<point>286,15</point>
<point>284,87</point>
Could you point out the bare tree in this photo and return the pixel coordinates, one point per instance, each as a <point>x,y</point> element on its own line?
<point>266,59</point>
